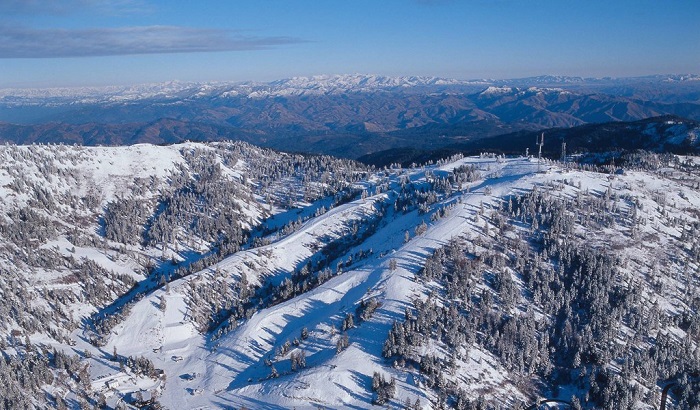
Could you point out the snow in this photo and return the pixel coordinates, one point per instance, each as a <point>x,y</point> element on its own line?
<point>491,90</point>
<point>135,161</point>
<point>175,90</point>
<point>231,371</point>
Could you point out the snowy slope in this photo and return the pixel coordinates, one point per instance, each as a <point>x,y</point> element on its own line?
<point>234,367</point>
<point>370,248</point>
<point>54,201</point>
<point>233,372</point>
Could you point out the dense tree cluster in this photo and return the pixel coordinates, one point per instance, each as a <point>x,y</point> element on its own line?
<point>298,360</point>
<point>292,178</point>
<point>141,366</point>
<point>554,308</point>
<point>385,389</point>
<point>124,220</point>
<point>220,309</point>
<point>89,283</point>
<point>549,304</point>
<point>25,378</point>
<point>367,308</point>
<point>202,205</point>
<point>201,211</point>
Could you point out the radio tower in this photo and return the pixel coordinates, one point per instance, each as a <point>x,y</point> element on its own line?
<point>563,152</point>
<point>539,154</point>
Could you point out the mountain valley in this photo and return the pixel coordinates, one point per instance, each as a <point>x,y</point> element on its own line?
<point>346,115</point>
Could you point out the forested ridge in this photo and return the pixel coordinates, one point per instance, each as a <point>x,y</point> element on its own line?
<point>202,272</point>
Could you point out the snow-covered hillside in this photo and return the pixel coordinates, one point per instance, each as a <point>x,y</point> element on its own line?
<point>458,284</point>
<point>87,231</point>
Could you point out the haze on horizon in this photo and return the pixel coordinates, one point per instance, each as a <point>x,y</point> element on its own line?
<point>111,42</point>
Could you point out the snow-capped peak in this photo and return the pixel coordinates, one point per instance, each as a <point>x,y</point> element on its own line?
<point>493,90</point>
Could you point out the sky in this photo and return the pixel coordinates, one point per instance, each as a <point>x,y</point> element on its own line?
<point>59,43</point>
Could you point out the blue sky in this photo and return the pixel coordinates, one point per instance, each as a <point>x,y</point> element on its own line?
<point>47,43</point>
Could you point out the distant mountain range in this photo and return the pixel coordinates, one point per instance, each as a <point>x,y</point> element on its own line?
<point>315,85</point>
<point>225,275</point>
<point>657,134</point>
<point>344,115</point>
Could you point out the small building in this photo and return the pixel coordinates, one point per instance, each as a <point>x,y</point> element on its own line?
<point>112,384</point>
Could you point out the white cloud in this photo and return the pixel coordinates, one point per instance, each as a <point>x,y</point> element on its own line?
<point>20,42</point>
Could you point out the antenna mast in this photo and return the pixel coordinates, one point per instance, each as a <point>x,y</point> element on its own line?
<point>563,152</point>
<point>539,154</point>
